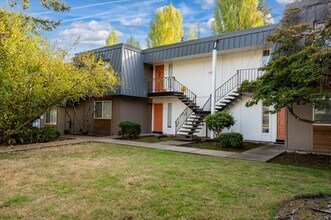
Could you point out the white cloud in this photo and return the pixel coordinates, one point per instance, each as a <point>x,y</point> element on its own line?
<point>131,22</point>
<point>286,1</point>
<point>185,9</point>
<point>210,21</point>
<point>206,4</point>
<point>91,33</point>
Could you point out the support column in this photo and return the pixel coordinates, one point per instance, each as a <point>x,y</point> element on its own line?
<point>213,80</point>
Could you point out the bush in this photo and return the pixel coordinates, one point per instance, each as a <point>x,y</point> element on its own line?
<point>129,129</point>
<point>29,135</point>
<point>48,134</point>
<point>218,121</point>
<point>231,140</point>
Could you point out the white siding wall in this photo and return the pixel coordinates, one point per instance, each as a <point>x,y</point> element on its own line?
<point>195,74</point>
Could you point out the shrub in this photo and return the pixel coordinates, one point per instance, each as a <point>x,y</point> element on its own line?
<point>48,134</point>
<point>231,140</point>
<point>129,129</point>
<point>29,135</point>
<point>218,121</point>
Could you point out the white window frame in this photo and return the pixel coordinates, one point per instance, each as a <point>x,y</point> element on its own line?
<point>314,117</point>
<point>50,122</point>
<point>265,115</point>
<point>102,107</point>
<point>169,115</point>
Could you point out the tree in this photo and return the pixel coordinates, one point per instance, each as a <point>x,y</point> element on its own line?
<point>218,121</point>
<point>192,33</point>
<point>42,23</point>
<point>238,15</point>
<point>34,76</point>
<point>299,69</point>
<point>54,5</point>
<point>131,41</point>
<point>166,27</point>
<point>113,38</point>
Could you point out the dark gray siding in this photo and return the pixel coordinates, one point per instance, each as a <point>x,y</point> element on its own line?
<point>113,55</point>
<point>133,78</point>
<point>239,39</point>
<point>312,10</point>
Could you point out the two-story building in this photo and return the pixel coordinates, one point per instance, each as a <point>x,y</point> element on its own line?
<point>167,90</point>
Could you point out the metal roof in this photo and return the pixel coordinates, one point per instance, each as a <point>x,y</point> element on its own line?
<point>234,40</point>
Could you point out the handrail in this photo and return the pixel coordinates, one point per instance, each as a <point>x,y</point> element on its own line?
<point>169,84</point>
<point>182,119</point>
<point>236,81</point>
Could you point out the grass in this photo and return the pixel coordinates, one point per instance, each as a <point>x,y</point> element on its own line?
<point>104,181</point>
<point>214,145</point>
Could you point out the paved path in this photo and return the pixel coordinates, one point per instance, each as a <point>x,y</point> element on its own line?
<point>261,154</point>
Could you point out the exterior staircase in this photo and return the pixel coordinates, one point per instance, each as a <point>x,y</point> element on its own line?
<point>192,118</point>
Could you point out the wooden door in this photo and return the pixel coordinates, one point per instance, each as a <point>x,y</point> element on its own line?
<point>281,124</point>
<point>159,78</point>
<point>158,117</point>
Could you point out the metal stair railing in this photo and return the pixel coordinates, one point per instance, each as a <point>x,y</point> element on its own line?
<point>235,81</point>
<point>182,119</point>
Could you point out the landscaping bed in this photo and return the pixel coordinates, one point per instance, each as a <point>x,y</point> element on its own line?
<point>214,145</point>
<point>153,138</point>
<point>317,208</point>
<point>304,160</point>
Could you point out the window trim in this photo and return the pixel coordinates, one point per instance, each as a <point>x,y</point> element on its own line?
<point>169,113</point>
<point>265,115</point>
<point>322,123</point>
<point>48,112</point>
<point>102,112</point>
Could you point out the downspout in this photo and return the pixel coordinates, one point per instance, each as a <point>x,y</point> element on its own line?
<point>213,80</point>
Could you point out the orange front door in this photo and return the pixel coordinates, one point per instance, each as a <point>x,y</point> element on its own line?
<point>281,124</point>
<point>159,78</point>
<point>158,117</point>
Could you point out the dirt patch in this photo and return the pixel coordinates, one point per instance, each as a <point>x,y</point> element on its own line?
<point>317,208</point>
<point>214,145</point>
<point>304,160</point>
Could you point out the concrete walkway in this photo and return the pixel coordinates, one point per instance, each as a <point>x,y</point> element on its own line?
<point>262,154</point>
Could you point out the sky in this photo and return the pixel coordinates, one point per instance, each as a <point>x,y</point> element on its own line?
<point>89,22</point>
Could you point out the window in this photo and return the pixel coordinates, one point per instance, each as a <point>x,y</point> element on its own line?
<point>169,118</point>
<point>51,117</point>
<point>323,116</point>
<point>265,57</point>
<point>103,109</point>
<point>265,119</point>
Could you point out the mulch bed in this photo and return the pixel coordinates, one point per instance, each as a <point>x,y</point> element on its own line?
<point>304,160</point>
<point>59,142</point>
<point>316,208</point>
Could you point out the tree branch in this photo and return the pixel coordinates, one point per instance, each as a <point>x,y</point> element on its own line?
<point>291,110</point>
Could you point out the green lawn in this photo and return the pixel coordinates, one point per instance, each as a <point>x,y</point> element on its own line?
<point>103,181</point>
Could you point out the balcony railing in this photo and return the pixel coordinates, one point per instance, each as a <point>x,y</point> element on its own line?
<point>169,86</point>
